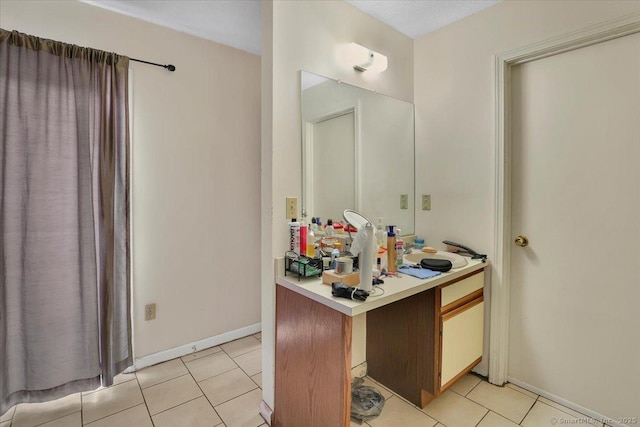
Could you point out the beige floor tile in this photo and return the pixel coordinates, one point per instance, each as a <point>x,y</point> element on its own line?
<point>465,384</point>
<point>543,415</point>
<point>33,414</point>
<point>196,413</point>
<point>257,378</point>
<point>494,420</point>
<point>453,410</point>
<point>503,400</point>
<point>251,362</point>
<point>118,379</point>
<point>171,393</point>
<point>7,415</point>
<point>226,386</point>
<point>210,366</point>
<point>242,411</point>
<point>161,372</point>
<point>386,393</point>
<point>522,390</point>
<point>201,353</point>
<point>242,346</point>
<point>397,412</point>
<point>137,416</point>
<point>73,420</point>
<point>568,411</point>
<point>111,400</point>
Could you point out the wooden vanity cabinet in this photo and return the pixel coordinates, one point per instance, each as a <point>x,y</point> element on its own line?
<point>440,339</point>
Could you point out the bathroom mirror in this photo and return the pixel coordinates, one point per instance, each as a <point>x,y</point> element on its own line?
<point>357,153</point>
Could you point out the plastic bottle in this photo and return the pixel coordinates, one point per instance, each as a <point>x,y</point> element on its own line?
<point>391,250</point>
<point>311,244</point>
<point>303,239</point>
<point>294,236</point>
<point>335,253</point>
<point>329,230</point>
<point>399,248</point>
<point>314,224</point>
<point>380,233</point>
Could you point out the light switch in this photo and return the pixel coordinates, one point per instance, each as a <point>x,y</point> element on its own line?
<point>292,207</point>
<point>404,201</point>
<point>426,202</point>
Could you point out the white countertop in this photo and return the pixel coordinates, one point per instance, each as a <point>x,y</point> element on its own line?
<point>395,288</point>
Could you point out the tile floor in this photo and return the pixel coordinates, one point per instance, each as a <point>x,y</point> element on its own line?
<point>220,387</point>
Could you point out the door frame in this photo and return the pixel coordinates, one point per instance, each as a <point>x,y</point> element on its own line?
<point>500,286</point>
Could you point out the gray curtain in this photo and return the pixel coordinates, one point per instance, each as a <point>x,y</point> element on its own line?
<point>64,227</point>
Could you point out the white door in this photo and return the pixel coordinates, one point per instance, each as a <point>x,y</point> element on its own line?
<point>575,289</point>
<point>334,187</point>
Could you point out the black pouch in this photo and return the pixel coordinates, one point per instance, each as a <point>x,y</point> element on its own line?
<point>442,265</point>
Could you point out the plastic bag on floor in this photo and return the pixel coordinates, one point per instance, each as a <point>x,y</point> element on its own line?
<point>366,402</point>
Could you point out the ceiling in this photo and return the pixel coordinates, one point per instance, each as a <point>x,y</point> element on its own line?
<point>237,23</point>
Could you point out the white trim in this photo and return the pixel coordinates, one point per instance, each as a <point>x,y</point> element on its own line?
<point>564,402</point>
<point>619,27</point>
<point>183,350</point>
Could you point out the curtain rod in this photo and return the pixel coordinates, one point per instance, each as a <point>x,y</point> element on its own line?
<point>168,66</point>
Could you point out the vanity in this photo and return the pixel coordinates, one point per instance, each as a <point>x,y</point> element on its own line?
<point>422,335</point>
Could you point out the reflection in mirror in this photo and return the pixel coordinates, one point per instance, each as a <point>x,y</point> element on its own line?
<point>358,153</point>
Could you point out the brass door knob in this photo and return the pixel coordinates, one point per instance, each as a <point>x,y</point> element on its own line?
<point>522,241</point>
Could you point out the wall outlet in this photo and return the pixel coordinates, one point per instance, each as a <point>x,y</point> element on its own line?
<point>404,201</point>
<point>150,311</point>
<point>426,202</point>
<point>292,207</point>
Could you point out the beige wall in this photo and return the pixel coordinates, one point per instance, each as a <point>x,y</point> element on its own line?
<point>455,103</point>
<point>305,35</point>
<point>196,151</point>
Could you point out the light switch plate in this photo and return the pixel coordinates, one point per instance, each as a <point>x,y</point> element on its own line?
<point>150,311</point>
<point>426,202</point>
<point>292,207</point>
<point>404,201</point>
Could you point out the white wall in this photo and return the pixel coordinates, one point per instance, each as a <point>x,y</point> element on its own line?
<point>455,103</point>
<point>305,35</point>
<point>196,142</point>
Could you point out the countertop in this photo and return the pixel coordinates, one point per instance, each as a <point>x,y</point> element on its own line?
<point>395,288</point>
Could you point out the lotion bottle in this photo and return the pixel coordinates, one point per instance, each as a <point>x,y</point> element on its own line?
<point>294,236</point>
<point>311,243</point>
<point>399,248</point>
<point>391,250</point>
<point>303,239</point>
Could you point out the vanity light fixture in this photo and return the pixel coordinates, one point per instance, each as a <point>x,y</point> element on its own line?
<point>364,59</point>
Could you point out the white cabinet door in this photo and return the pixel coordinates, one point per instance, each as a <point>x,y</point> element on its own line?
<point>462,332</point>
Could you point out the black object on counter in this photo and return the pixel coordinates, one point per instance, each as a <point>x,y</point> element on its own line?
<point>339,289</point>
<point>442,265</point>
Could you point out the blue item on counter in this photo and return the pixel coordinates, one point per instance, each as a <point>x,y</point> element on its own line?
<point>420,273</point>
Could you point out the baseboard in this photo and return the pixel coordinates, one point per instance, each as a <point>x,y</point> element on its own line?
<point>266,412</point>
<point>589,413</point>
<point>183,350</point>
<point>359,371</point>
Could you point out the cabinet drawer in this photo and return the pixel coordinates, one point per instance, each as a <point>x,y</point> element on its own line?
<point>462,340</point>
<point>458,290</point>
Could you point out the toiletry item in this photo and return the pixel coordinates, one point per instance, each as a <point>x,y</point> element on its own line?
<point>335,253</point>
<point>303,239</point>
<point>319,223</point>
<point>399,248</point>
<point>311,244</point>
<point>344,265</point>
<point>338,227</point>
<point>294,236</point>
<point>326,262</point>
<point>380,233</point>
<point>419,242</point>
<point>329,230</point>
<point>391,250</point>
<point>429,250</point>
<point>314,224</point>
